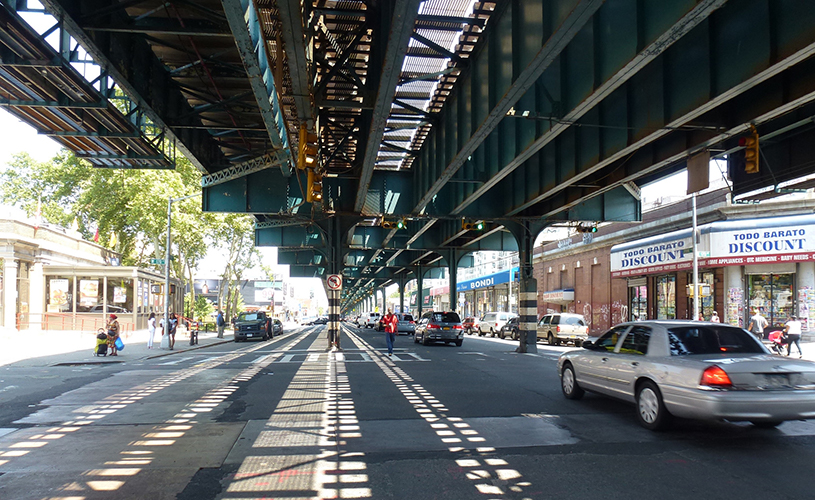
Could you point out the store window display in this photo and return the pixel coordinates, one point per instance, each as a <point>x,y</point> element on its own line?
<point>772,295</point>
<point>638,302</point>
<point>666,297</point>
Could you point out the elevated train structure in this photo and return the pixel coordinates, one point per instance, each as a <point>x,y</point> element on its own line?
<point>385,140</point>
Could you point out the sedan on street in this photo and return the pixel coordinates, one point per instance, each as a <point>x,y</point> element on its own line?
<point>691,369</point>
<point>437,326</point>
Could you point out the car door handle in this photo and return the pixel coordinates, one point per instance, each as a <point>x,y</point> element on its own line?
<point>635,363</point>
<point>604,360</point>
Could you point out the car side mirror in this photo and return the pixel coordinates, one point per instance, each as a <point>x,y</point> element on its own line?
<point>587,344</point>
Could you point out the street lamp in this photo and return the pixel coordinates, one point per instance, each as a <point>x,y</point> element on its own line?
<point>165,338</point>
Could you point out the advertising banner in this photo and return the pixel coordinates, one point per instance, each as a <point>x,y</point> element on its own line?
<point>88,292</point>
<point>664,253</point>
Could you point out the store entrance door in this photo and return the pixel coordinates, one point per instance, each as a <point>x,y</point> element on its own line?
<point>637,300</point>
<point>772,295</point>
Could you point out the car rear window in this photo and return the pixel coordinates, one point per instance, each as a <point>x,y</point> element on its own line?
<point>407,317</point>
<point>448,317</point>
<point>706,339</point>
<point>571,320</point>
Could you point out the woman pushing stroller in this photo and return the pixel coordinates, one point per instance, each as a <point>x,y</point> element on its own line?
<point>112,327</point>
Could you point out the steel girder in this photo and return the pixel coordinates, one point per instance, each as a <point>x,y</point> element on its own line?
<point>402,21</point>
<point>294,37</point>
<point>129,60</point>
<point>291,237</point>
<point>500,74</point>
<point>243,21</point>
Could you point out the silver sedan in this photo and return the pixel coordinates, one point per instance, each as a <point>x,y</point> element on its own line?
<point>691,369</point>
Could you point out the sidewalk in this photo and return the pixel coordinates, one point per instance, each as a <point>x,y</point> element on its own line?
<point>59,348</point>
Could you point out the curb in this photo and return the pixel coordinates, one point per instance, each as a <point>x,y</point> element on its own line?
<point>195,348</point>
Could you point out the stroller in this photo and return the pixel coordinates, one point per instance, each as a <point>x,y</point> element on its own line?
<point>778,342</point>
<point>101,348</point>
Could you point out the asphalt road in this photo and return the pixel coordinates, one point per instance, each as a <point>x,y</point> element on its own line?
<point>287,419</point>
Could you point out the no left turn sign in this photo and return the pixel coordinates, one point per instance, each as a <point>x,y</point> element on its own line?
<point>334,282</point>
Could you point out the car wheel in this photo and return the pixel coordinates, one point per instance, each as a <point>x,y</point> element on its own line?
<point>515,335</point>
<point>480,332</point>
<point>651,410</point>
<point>492,333</point>
<point>550,339</point>
<point>424,340</point>
<point>415,338</point>
<point>578,343</point>
<point>264,338</point>
<point>458,343</point>
<point>568,383</point>
<point>766,424</point>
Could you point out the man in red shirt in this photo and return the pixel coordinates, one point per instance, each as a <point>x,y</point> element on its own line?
<point>391,323</point>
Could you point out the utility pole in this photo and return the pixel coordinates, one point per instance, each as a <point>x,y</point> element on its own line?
<point>165,338</point>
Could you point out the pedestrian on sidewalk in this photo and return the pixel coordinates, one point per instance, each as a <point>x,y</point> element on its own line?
<point>757,325</point>
<point>715,318</point>
<point>793,332</point>
<point>173,326</point>
<point>151,329</point>
<point>391,322</point>
<point>220,323</point>
<point>112,327</point>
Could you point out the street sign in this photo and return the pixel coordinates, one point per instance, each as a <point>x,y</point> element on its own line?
<point>160,262</point>
<point>334,282</point>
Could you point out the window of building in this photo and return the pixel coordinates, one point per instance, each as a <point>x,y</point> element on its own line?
<point>637,301</point>
<point>666,297</point>
<point>120,295</point>
<point>59,290</point>
<point>772,295</point>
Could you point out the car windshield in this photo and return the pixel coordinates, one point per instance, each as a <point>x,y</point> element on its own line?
<point>407,317</point>
<point>448,317</point>
<point>706,339</point>
<point>249,316</point>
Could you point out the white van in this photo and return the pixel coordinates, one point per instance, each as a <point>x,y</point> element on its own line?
<point>370,320</point>
<point>492,322</point>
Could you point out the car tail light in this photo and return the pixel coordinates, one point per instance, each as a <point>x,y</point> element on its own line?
<point>457,327</point>
<point>432,325</point>
<point>558,328</point>
<point>714,376</point>
<point>412,322</point>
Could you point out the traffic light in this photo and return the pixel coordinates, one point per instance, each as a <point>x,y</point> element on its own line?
<point>306,149</point>
<point>472,225</point>
<point>592,228</point>
<point>400,224</point>
<point>750,143</point>
<point>314,187</point>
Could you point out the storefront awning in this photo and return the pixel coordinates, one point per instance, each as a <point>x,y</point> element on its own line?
<point>562,297</point>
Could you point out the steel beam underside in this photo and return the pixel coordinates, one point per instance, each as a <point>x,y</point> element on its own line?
<point>699,72</point>
<point>243,20</point>
<point>131,62</point>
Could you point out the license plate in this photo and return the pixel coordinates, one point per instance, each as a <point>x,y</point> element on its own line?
<point>248,334</point>
<point>776,380</point>
<point>446,328</point>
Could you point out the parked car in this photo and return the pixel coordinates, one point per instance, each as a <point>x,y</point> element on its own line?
<point>321,320</point>
<point>277,327</point>
<point>563,327</point>
<point>492,322</point>
<point>511,329</point>
<point>468,324</point>
<point>691,369</point>
<point>251,325</point>
<point>439,326</point>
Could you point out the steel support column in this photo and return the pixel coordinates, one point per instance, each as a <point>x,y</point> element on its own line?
<point>452,267</point>
<point>525,233</point>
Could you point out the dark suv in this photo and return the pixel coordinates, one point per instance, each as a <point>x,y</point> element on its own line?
<point>251,325</point>
<point>511,329</point>
<point>436,326</point>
